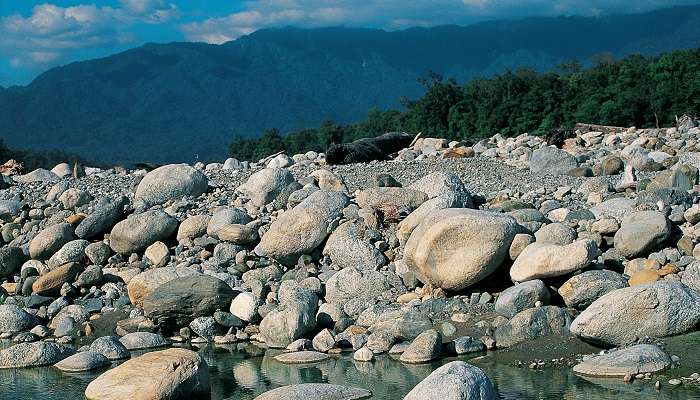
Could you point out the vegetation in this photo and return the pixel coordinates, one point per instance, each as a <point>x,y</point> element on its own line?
<point>634,91</point>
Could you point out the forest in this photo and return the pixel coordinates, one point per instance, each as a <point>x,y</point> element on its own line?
<point>634,91</point>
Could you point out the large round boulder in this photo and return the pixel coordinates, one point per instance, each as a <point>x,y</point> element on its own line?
<point>170,182</point>
<point>533,323</point>
<point>173,374</point>
<point>641,232</point>
<point>37,354</point>
<point>11,259</point>
<point>265,185</point>
<point>546,260</point>
<point>50,240</point>
<point>14,319</point>
<point>455,248</point>
<point>633,360</point>
<point>521,297</point>
<point>139,231</point>
<point>348,247</point>
<point>552,161</point>
<point>147,281</point>
<point>303,228</point>
<point>621,316</point>
<point>455,380</point>
<point>106,213</point>
<point>583,289</point>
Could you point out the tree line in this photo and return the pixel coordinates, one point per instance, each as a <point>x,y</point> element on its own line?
<point>634,91</point>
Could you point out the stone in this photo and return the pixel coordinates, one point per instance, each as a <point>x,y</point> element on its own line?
<point>617,207</point>
<point>294,317</point>
<point>347,247</point>
<point>315,391</point>
<point>656,310</point>
<point>83,361</point>
<point>323,341</point>
<point>302,357</point>
<point>206,327</point>
<point>552,161</point>
<point>353,284</point>
<point>265,185</point>
<point>147,281</point>
<point>424,348</point>
<point>641,232</point>
<point>193,227</point>
<point>36,354</point>
<point>14,319</point>
<point>556,233</point>
<point>9,209</point>
<point>51,282</point>
<point>11,259</point>
<point>177,302</point>
<point>239,234</point>
<point>225,217</point>
<point>300,230</point>
<point>581,290</point>
<point>245,307</point>
<point>390,199</point>
<point>363,354</point>
<point>444,184</point>
<point>643,277</point>
<point>173,374</point>
<point>404,324</point>
<point>38,175</point>
<point>465,345</point>
<point>50,240</point>
<point>519,243</point>
<point>139,231</point>
<point>107,212</point>
<point>455,248</point>
<point>540,260</point>
<point>157,254</point>
<point>327,180</point>
<point>110,347</point>
<point>633,360</point>
<point>521,297</point>
<point>142,340</point>
<point>455,380</point>
<point>533,323</point>
<point>72,198</point>
<point>170,182</point>
<point>73,251</point>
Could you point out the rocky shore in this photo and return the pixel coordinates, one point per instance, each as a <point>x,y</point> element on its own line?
<point>589,251</point>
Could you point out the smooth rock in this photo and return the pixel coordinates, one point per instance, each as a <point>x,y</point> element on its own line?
<point>170,182</point>
<point>139,231</point>
<point>540,260</point>
<point>638,359</point>
<point>521,297</point>
<point>83,361</point>
<point>641,232</point>
<point>455,380</point>
<point>35,354</point>
<point>583,289</point>
<point>315,391</point>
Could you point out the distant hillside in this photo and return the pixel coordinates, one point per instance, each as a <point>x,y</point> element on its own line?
<point>170,102</point>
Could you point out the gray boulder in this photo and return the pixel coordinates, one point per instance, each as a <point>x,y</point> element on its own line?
<point>139,231</point>
<point>14,319</point>
<point>455,380</point>
<point>583,289</point>
<point>521,297</point>
<point>533,323</point>
<point>544,260</point>
<point>107,212</point>
<point>50,240</point>
<point>83,361</point>
<point>347,247</point>
<point>224,217</point>
<point>638,359</point>
<point>404,324</point>
<point>73,251</point>
<point>424,348</point>
<point>315,391</point>
<point>38,175</point>
<point>24,355</point>
<point>110,347</point>
<point>143,340</point>
<point>169,182</point>
<point>552,161</point>
<point>263,186</point>
<point>11,260</point>
<point>294,317</point>
<point>658,309</point>
<point>300,230</point>
<point>9,209</point>
<point>641,232</point>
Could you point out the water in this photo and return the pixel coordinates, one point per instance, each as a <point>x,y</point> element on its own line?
<point>242,372</point>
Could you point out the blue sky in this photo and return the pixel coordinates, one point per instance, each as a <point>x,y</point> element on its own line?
<point>38,35</point>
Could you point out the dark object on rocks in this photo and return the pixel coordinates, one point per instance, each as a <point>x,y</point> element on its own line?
<point>176,303</point>
<point>368,149</point>
<point>557,136</point>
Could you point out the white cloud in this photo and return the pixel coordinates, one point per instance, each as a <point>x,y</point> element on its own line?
<point>396,14</point>
<point>50,32</point>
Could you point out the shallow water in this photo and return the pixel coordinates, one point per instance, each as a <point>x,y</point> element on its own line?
<point>243,372</point>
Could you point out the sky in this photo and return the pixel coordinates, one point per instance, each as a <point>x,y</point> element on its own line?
<point>38,35</point>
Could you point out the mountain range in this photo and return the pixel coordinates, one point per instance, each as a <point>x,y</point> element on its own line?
<point>178,102</point>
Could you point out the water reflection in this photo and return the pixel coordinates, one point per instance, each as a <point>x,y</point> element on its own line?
<point>241,372</point>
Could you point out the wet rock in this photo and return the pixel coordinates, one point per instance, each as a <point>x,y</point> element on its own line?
<point>302,357</point>
<point>533,323</point>
<point>638,359</point>
<point>35,354</point>
<point>143,340</point>
<point>456,380</point>
<point>110,347</point>
<point>315,391</point>
<point>295,316</point>
<point>425,347</point>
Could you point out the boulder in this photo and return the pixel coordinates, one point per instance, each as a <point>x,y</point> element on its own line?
<point>294,317</point>
<point>302,357</point>
<point>14,319</point>
<point>147,281</point>
<point>543,260</point>
<point>347,248</point>
<point>73,251</point>
<point>300,230</point>
<point>315,391</point>
<point>143,340</point>
<point>173,374</point>
<point>110,347</point>
<point>177,302</point>
<point>390,199</point>
<point>11,259</point>
<point>83,361</point>
<point>157,254</point>
<point>621,316</point>
<point>353,284</point>
<point>455,248</point>
<point>455,380</point>
<point>50,240</point>
<point>37,354</point>
<point>633,360</point>
<point>245,307</point>
<point>583,289</point>
<point>169,182</point>
<point>556,233</point>
<point>521,297</point>
<point>139,231</point>
<point>72,198</point>
<point>424,348</point>
<point>403,324</point>
<point>193,227</point>
<point>107,212</point>
<point>444,184</point>
<point>641,232</point>
<point>38,175</point>
<point>9,209</point>
<point>533,323</point>
<point>51,282</point>
<point>263,186</point>
<point>552,161</point>
<point>224,217</point>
